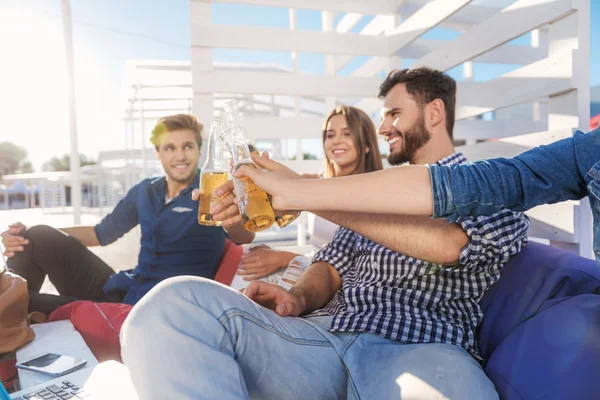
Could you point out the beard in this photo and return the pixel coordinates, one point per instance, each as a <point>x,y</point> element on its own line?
<point>412,140</point>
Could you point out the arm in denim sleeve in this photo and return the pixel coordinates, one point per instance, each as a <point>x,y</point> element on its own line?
<point>121,220</point>
<point>543,175</point>
<point>338,253</point>
<point>493,239</point>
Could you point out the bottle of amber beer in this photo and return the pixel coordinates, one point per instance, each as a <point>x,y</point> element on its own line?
<point>213,173</point>
<point>254,204</point>
<point>283,220</point>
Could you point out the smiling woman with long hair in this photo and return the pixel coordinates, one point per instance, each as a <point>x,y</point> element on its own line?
<point>350,145</point>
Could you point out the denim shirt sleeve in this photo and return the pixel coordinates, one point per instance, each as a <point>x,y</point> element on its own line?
<point>543,175</point>
<point>121,220</point>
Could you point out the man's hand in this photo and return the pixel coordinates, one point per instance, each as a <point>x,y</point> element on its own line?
<point>260,262</point>
<point>12,239</point>
<point>274,180</point>
<point>225,210</point>
<point>275,298</point>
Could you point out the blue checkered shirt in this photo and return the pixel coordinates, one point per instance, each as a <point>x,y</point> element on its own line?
<point>415,301</point>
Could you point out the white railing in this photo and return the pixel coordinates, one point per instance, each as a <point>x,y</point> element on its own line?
<point>553,79</point>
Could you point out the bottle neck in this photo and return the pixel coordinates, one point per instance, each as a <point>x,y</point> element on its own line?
<point>214,151</point>
<point>237,144</point>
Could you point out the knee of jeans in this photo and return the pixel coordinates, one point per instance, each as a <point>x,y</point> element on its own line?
<point>169,297</point>
<point>171,294</point>
<point>41,232</point>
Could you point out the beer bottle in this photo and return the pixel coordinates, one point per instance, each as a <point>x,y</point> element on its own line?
<point>253,202</point>
<point>213,173</point>
<point>283,220</point>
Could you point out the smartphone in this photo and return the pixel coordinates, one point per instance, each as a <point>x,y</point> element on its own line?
<point>52,364</point>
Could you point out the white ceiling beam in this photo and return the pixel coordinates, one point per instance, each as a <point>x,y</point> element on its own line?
<point>543,78</point>
<point>547,77</point>
<point>472,15</point>
<point>478,129</point>
<point>358,6</point>
<point>286,40</point>
<point>512,22</point>
<point>423,20</point>
<point>289,84</point>
<point>348,21</point>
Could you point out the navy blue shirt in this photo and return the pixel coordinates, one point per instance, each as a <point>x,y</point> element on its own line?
<point>172,243</point>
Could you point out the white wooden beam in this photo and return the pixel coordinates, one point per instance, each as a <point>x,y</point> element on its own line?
<point>520,55</point>
<point>543,78</point>
<point>278,39</point>
<point>423,20</point>
<point>472,15</point>
<point>348,21</point>
<point>512,22</point>
<point>571,110</point>
<point>202,104</point>
<point>550,76</point>
<point>252,82</point>
<point>357,6</point>
<point>477,129</point>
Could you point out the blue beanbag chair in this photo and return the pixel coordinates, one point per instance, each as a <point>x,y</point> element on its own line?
<point>540,335</point>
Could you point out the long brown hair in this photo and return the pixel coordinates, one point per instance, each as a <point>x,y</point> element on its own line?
<point>363,136</point>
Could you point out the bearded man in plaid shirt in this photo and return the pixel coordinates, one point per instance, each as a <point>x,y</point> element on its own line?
<point>389,309</point>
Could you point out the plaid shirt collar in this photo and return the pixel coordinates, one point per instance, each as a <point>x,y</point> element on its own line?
<point>454,158</point>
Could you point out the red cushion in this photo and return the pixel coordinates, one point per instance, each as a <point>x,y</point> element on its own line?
<point>232,255</point>
<point>98,323</point>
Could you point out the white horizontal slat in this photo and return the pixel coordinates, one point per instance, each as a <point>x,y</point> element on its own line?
<point>520,55</point>
<point>550,76</point>
<point>278,39</point>
<point>512,22</point>
<point>540,138</point>
<point>426,18</point>
<point>546,77</point>
<point>357,6</point>
<point>477,129</point>
<point>249,82</point>
<point>371,67</point>
<point>472,15</point>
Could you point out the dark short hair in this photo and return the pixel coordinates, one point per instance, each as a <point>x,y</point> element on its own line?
<point>425,85</point>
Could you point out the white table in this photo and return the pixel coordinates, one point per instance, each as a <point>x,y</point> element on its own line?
<point>55,337</point>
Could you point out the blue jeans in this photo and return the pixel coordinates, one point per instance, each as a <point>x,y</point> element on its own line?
<point>568,169</point>
<point>192,338</point>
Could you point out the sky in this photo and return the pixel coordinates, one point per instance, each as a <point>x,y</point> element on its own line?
<point>107,33</point>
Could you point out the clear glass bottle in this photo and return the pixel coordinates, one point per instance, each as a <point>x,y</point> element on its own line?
<point>253,202</point>
<point>281,220</point>
<point>213,173</point>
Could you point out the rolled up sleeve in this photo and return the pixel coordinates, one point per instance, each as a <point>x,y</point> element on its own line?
<point>493,239</point>
<point>338,253</point>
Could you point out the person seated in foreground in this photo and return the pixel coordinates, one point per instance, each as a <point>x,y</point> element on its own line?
<point>366,320</point>
<point>172,242</point>
<point>350,146</point>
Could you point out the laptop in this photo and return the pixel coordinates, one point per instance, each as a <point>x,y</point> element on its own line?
<point>106,381</point>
